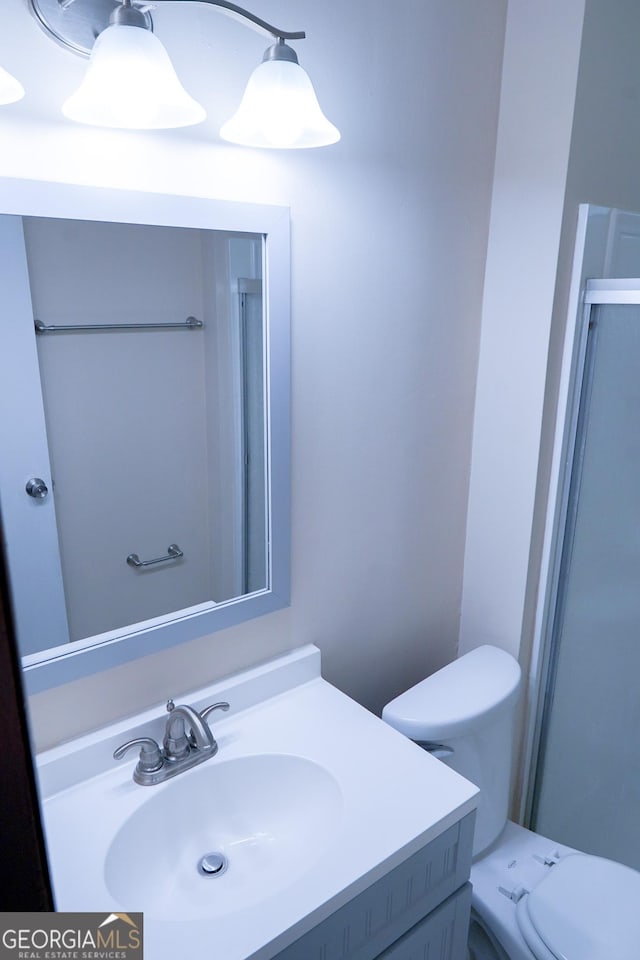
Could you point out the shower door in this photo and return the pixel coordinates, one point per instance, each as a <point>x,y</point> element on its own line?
<point>587,791</point>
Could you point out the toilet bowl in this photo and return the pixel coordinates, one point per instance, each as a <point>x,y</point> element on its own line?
<point>533,899</point>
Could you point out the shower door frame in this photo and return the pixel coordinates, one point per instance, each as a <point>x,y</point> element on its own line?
<point>584,295</point>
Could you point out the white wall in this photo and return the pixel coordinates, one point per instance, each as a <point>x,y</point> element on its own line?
<point>389,233</point>
<point>568,134</point>
<point>539,79</point>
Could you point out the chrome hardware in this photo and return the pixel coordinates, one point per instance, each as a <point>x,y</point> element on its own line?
<point>438,750</point>
<point>223,705</point>
<point>37,488</point>
<point>191,323</point>
<point>173,553</point>
<point>177,745</point>
<point>79,31</point>
<point>180,751</point>
<point>212,864</point>
<point>149,762</point>
<point>75,24</point>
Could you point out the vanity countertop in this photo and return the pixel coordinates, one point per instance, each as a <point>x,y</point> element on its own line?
<point>312,797</point>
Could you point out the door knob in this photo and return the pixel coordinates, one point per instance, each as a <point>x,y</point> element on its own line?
<point>37,488</point>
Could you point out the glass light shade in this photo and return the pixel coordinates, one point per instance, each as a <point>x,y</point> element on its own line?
<point>131,83</point>
<point>279,109</point>
<point>10,88</point>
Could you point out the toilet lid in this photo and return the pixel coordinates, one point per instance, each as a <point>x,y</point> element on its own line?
<point>588,908</point>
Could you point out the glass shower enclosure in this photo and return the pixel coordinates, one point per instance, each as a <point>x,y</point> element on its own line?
<point>587,786</point>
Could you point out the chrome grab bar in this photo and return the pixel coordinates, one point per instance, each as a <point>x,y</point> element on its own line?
<point>173,553</point>
<point>191,323</point>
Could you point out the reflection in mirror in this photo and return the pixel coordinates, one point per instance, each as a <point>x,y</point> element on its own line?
<point>137,485</point>
<point>151,422</point>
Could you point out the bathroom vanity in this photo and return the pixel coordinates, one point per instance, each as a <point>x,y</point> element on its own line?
<point>419,909</point>
<point>316,832</point>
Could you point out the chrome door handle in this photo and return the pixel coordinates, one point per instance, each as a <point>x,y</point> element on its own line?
<point>37,488</point>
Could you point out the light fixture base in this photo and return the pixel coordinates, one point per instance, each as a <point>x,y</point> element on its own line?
<point>280,51</point>
<point>75,24</point>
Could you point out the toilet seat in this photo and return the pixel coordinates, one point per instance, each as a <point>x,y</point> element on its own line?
<point>585,908</point>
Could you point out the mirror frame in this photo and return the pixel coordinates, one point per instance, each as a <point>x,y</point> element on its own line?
<point>24,198</point>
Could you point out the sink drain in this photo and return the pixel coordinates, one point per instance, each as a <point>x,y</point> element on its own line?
<point>212,865</point>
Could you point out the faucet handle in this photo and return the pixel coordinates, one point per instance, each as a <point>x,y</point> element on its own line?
<point>150,759</point>
<point>223,705</point>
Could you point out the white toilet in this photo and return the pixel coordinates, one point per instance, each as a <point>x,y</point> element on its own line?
<point>533,899</point>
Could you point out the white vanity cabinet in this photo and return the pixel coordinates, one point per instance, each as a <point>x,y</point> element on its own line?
<point>419,909</point>
<point>344,840</point>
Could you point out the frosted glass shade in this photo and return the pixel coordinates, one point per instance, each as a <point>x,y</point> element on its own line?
<point>279,109</point>
<point>10,88</point>
<point>130,83</point>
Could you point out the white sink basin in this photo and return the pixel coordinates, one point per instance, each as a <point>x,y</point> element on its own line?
<point>310,798</point>
<point>269,817</point>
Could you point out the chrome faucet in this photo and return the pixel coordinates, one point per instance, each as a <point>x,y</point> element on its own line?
<point>177,745</point>
<point>180,750</point>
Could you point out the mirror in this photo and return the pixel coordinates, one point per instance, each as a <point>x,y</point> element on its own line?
<point>144,362</point>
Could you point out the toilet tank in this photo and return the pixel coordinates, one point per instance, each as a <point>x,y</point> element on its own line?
<point>464,714</point>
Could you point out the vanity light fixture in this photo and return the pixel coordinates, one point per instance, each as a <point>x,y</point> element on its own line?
<point>131,83</point>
